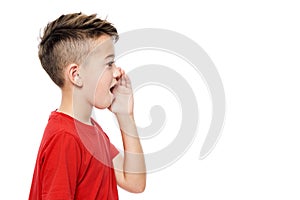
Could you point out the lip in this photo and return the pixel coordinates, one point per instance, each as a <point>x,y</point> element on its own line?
<point>113,86</point>
<point>112,97</point>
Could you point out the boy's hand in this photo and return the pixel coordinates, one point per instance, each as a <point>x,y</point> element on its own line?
<point>123,102</point>
<point>130,168</point>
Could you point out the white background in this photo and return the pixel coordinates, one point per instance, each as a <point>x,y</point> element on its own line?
<point>255,46</point>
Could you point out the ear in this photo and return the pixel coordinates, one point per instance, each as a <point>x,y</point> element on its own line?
<point>74,76</point>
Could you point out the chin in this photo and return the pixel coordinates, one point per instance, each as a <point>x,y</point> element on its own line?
<point>104,101</point>
<point>103,105</point>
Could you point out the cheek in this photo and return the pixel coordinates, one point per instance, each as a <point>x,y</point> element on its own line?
<point>100,91</point>
<point>102,96</point>
<point>98,83</point>
<point>103,84</point>
<point>102,99</point>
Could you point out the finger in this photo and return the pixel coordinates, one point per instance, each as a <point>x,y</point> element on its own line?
<point>122,80</point>
<point>127,81</point>
<point>122,72</point>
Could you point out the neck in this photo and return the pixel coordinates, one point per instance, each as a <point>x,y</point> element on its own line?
<point>74,106</point>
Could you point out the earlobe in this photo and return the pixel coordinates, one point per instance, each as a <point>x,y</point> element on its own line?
<point>78,80</point>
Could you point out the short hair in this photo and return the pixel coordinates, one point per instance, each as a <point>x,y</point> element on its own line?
<point>68,39</point>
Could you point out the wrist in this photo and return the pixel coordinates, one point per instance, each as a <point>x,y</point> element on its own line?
<point>124,115</point>
<point>126,121</point>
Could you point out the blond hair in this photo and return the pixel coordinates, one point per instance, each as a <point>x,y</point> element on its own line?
<point>68,39</point>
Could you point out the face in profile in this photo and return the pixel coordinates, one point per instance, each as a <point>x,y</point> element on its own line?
<point>100,74</point>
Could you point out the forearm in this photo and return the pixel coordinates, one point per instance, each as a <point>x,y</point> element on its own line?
<point>134,168</point>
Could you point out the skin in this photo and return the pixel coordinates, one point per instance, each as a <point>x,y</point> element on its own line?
<point>89,85</point>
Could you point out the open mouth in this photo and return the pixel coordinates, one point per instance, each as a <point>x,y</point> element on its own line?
<point>112,88</point>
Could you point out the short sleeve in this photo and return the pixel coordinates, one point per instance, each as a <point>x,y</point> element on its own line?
<point>113,151</point>
<point>60,166</point>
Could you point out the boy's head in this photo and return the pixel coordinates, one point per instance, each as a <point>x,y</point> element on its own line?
<point>70,39</point>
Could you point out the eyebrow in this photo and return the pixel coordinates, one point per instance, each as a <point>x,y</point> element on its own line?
<point>110,56</point>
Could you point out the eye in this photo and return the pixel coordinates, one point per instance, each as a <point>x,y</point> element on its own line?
<point>110,64</point>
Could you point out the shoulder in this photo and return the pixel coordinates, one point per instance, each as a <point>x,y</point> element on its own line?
<point>60,131</point>
<point>60,126</point>
<point>61,141</point>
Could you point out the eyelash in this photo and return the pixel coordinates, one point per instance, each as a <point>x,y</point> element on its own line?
<point>111,63</point>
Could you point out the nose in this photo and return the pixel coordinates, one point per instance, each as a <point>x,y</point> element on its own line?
<point>117,73</point>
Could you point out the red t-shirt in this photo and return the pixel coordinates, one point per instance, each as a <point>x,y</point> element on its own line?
<point>74,162</point>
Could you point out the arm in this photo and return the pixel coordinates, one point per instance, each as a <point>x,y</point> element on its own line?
<point>59,167</point>
<point>130,169</point>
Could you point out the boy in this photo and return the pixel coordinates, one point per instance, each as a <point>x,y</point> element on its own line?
<point>76,159</point>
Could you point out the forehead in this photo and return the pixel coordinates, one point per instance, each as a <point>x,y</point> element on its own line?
<point>103,47</point>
